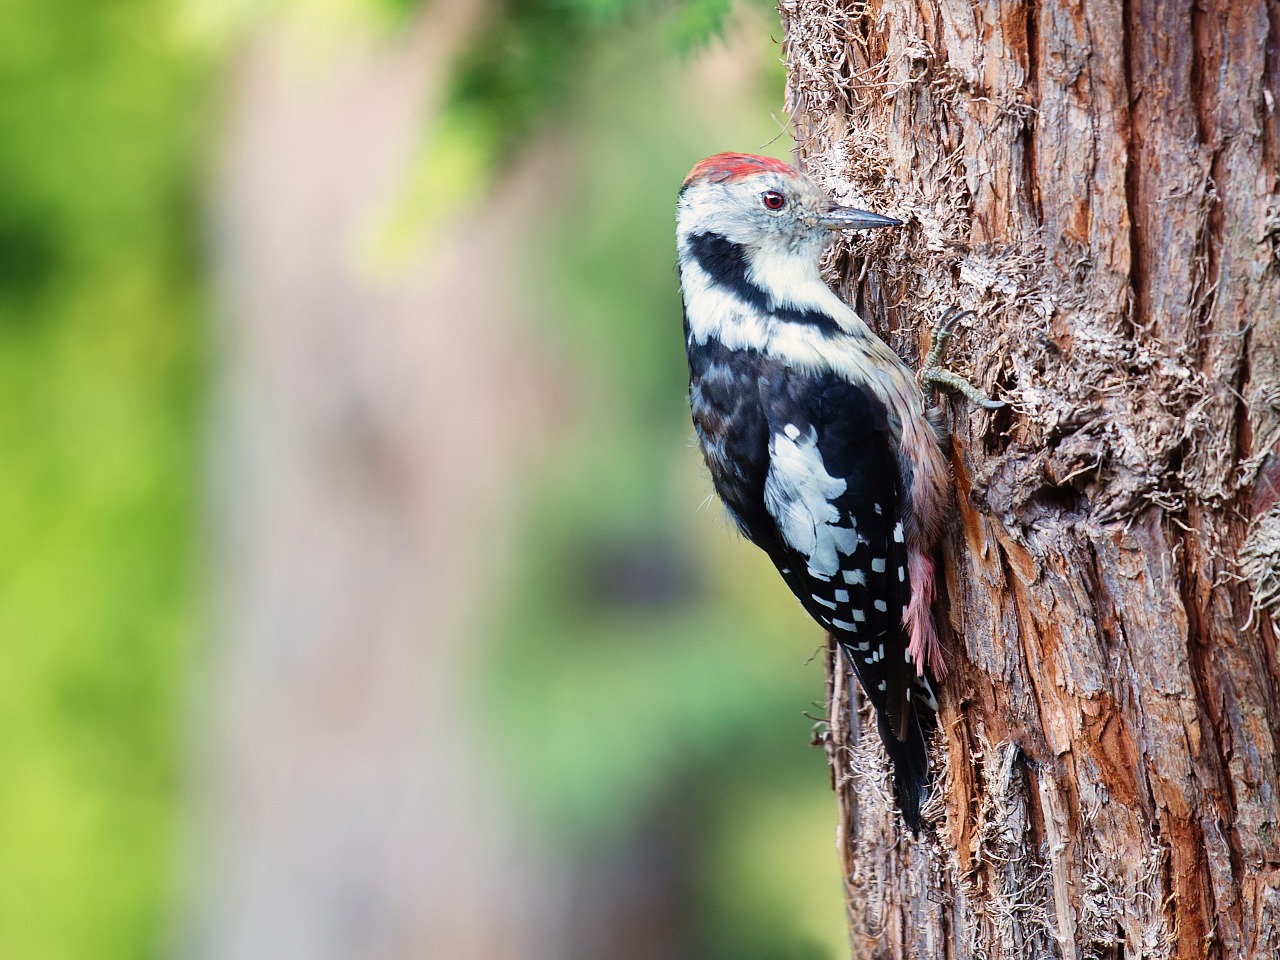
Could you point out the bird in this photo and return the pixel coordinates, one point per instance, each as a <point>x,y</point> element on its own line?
<point>817,436</point>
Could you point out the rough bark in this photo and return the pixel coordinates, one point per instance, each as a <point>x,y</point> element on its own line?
<point>1100,181</point>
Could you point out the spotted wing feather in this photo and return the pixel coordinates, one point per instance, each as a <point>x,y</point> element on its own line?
<point>834,493</point>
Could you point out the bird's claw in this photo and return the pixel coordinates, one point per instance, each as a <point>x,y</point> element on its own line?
<point>935,375</point>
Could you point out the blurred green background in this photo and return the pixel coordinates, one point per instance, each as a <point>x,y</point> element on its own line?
<point>642,678</point>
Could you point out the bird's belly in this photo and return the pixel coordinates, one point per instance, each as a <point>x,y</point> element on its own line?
<point>736,452</point>
<point>733,435</point>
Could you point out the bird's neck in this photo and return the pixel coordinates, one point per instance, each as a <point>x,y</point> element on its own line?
<point>745,296</point>
<point>792,280</point>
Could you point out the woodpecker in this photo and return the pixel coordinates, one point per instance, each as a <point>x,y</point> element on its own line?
<point>817,437</point>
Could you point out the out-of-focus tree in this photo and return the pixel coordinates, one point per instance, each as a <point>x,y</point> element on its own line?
<point>389,419</point>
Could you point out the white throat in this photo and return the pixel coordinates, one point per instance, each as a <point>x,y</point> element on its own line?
<point>795,281</point>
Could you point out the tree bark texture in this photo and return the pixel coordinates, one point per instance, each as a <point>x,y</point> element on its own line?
<point>1100,181</point>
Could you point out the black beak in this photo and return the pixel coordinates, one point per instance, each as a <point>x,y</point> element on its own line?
<point>851,218</point>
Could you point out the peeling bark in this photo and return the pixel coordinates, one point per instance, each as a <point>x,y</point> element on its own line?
<point>1100,181</point>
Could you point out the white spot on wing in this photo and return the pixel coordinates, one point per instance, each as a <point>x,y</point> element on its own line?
<point>927,698</point>
<point>798,493</point>
<point>897,532</point>
<point>855,576</point>
<point>826,603</point>
<point>859,616</point>
<point>877,565</point>
<point>846,539</point>
<point>845,625</point>
<point>792,431</point>
<point>842,596</point>
<point>881,606</point>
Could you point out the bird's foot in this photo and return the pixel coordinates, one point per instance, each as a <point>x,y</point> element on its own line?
<point>934,374</point>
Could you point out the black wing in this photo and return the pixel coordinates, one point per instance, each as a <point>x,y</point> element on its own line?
<point>806,466</point>
<point>834,493</point>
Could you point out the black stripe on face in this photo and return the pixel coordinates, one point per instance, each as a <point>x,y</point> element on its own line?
<point>725,262</point>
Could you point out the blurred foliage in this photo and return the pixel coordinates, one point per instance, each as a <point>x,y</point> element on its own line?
<point>531,53</point>
<point>649,648</point>
<point>517,75</point>
<point>99,373</point>
<point>646,650</point>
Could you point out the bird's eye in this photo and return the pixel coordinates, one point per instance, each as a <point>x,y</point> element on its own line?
<point>773,200</point>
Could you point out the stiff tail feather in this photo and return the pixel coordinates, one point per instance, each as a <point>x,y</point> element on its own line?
<point>909,756</point>
<point>910,759</point>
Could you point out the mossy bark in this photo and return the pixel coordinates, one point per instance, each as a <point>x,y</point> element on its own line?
<point>1100,181</point>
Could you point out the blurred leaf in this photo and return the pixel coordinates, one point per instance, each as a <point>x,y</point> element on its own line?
<point>99,373</point>
<point>607,709</point>
<point>698,22</point>
<point>522,66</point>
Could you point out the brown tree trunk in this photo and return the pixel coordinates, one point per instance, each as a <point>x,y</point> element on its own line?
<point>1100,181</point>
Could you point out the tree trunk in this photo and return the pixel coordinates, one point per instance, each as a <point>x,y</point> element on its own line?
<point>1100,181</point>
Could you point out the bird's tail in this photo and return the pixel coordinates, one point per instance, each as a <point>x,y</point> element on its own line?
<point>910,759</point>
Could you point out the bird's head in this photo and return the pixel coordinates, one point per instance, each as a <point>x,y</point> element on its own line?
<point>764,206</point>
